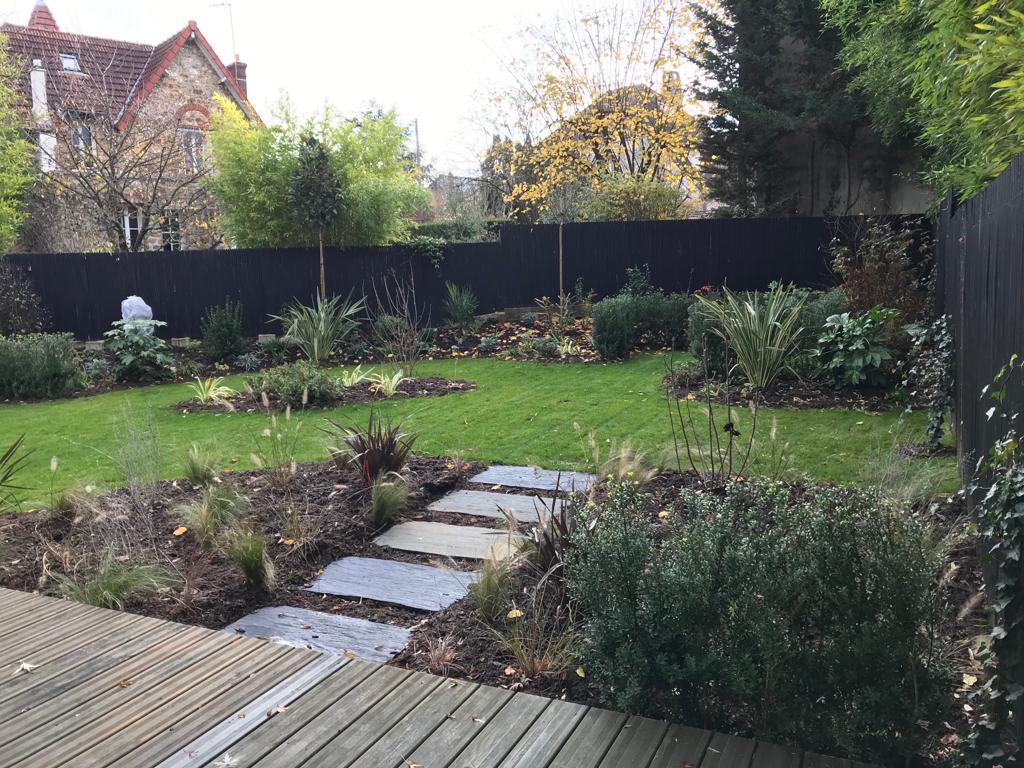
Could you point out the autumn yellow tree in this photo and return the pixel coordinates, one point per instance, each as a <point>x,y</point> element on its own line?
<point>596,97</point>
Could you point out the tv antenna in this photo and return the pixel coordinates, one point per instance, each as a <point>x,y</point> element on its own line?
<point>231,23</point>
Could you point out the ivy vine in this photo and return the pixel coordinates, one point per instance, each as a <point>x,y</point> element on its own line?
<point>999,481</point>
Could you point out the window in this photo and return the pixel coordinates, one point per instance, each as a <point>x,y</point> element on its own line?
<point>81,131</point>
<point>170,229</point>
<point>132,221</point>
<point>193,143</point>
<point>70,62</point>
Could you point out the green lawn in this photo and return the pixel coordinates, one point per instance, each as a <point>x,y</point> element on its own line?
<point>521,413</point>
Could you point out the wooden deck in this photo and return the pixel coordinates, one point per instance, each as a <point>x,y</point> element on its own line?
<point>84,686</point>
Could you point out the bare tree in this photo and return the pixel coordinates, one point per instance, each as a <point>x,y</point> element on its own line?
<point>131,167</point>
<point>400,326</point>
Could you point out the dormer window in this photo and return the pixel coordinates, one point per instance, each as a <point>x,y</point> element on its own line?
<point>70,62</point>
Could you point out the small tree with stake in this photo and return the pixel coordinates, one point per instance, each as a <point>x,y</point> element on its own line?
<point>316,193</point>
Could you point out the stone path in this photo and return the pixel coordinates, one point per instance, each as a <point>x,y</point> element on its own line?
<point>416,586</point>
<point>535,478</point>
<point>320,631</point>
<point>490,504</point>
<point>464,541</point>
<point>390,581</point>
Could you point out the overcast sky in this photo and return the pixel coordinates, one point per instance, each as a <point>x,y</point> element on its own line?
<point>429,59</point>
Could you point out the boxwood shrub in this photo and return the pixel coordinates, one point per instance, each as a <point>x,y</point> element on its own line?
<point>624,321</point>
<point>799,617</point>
<point>38,365</point>
<point>614,327</point>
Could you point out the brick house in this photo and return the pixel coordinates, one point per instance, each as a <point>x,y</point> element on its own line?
<point>119,131</point>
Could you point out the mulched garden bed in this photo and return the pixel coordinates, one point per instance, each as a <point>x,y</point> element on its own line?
<point>512,340</point>
<point>789,394</point>
<point>246,402</point>
<point>213,592</point>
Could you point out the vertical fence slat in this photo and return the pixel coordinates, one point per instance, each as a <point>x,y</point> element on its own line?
<point>83,291</point>
<point>981,286</point>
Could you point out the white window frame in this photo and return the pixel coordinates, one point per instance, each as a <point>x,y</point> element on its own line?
<point>193,144</point>
<point>81,132</point>
<point>170,230</point>
<point>132,231</point>
<point>69,62</point>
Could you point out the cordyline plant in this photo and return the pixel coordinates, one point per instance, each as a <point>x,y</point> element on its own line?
<point>10,464</point>
<point>761,328</point>
<point>316,329</point>
<point>380,450</point>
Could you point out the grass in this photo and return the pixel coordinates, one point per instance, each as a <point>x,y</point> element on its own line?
<point>520,413</point>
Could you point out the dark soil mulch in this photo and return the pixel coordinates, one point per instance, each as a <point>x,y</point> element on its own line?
<point>791,394</point>
<point>360,393</point>
<point>509,336</point>
<point>213,592</point>
<point>479,656</point>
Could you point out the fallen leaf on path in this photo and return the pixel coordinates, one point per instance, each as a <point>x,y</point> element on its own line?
<point>24,667</point>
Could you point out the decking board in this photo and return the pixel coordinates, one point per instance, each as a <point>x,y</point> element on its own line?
<point>636,743</point>
<point>464,724</point>
<point>283,727</point>
<point>97,719</point>
<point>131,691</point>
<point>334,720</point>
<point>349,745</point>
<point>85,661</point>
<point>681,745</point>
<point>109,666</point>
<point>726,751</point>
<point>590,740</point>
<point>498,737</point>
<point>546,736</point>
<point>141,725</point>
<point>429,715</point>
<point>270,703</point>
<point>199,715</point>
<point>13,652</point>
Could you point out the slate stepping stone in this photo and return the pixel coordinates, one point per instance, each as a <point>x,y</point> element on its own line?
<point>391,581</point>
<point>450,540</point>
<point>490,504</point>
<point>366,640</point>
<point>534,477</point>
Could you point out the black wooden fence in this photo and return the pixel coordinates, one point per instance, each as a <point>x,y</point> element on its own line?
<point>981,285</point>
<point>83,291</point>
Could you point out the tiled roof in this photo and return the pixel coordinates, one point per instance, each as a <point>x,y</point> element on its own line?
<point>115,75</point>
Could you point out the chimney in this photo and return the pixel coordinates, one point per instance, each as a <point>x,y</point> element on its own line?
<point>237,70</point>
<point>37,80</point>
<point>42,19</point>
